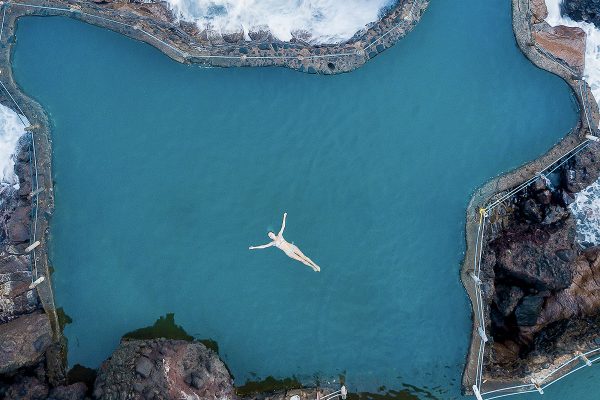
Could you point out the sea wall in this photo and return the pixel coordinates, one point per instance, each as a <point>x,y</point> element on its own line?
<point>153,23</point>
<point>522,263</point>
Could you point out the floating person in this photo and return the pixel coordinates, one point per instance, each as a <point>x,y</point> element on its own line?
<point>288,248</point>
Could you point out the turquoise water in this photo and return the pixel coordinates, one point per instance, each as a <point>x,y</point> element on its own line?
<point>165,174</point>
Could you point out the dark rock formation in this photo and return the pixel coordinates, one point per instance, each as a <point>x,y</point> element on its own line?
<point>76,391</point>
<point>32,383</point>
<point>23,341</point>
<point>15,296</point>
<point>27,388</point>
<point>582,10</point>
<point>163,369</point>
<point>539,283</point>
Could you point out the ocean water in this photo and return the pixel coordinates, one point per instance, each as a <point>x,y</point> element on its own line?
<point>316,21</point>
<point>166,173</point>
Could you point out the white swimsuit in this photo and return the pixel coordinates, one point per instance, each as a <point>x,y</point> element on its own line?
<point>289,249</point>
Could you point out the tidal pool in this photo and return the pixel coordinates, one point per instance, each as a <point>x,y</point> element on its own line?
<point>166,173</point>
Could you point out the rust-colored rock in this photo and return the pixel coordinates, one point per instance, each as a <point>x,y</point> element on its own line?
<point>581,298</point>
<point>539,12</point>
<point>23,341</point>
<point>565,43</point>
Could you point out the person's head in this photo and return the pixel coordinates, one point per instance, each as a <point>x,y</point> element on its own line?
<point>272,236</point>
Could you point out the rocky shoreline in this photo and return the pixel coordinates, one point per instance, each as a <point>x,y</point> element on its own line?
<point>32,348</point>
<point>152,22</point>
<point>539,287</point>
<point>534,320</point>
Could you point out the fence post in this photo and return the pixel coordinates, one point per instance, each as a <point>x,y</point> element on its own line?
<point>477,393</point>
<point>585,359</point>
<point>537,386</point>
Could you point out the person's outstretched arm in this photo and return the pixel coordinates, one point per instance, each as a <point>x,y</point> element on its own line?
<point>262,246</point>
<point>282,224</point>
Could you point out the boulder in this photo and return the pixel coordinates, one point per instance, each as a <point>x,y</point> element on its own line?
<point>531,211</point>
<point>554,213</point>
<point>565,43</point>
<point>15,297</point>
<point>18,225</point>
<point>528,310</point>
<point>75,391</point>
<point>582,10</point>
<point>544,197</point>
<point>26,388</point>
<point>163,369</point>
<point>507,298</point>
<point>23,341</point>
<point>529,255</point>
<point>539,12</point>
<point>581,298</point>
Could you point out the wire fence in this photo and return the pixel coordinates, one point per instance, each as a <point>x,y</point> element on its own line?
<point>571,365</point>
<point>550,378</point>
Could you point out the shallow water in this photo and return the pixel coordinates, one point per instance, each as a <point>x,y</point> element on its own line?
<point>165,174</point>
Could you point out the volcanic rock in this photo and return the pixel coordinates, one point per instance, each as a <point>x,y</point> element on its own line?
<point>163,369</point>
<point>23,341</point>
<point>582,10</point>
<point>75,391</point>
<point>528,311</point>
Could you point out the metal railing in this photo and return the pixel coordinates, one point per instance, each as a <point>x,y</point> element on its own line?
<point>566,368</point>
<point>197,53</point>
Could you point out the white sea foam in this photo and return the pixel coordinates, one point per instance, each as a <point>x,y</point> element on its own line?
<point>327,21</point>
<point>11,129</point>
<point>586,209</point>
<point>591,72</point>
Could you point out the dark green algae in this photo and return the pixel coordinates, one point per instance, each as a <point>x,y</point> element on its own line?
<point>165,327</point>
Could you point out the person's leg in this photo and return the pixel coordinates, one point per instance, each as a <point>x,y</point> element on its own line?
<point>302,260</point>
<point>310,262</point>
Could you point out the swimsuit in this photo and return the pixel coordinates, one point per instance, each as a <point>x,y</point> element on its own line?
<point>289,249</point>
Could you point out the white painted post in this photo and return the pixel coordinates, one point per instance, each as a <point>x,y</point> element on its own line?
<point>482,334</point>
<point>475,278</point>
<point>344,392</point>
<point>36,282</point>
<point>477,393</point>
<point>593,138</point>
<point>537,386</point>
<point>32,246</point>
<point>585,359</point>
<point>36,192</point>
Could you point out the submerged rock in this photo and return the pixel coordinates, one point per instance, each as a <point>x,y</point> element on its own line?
<point>163,369</point>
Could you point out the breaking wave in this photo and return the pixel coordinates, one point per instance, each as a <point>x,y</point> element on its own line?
<point>586,209</point>
<point>317,21</point>
<point>11,129</point>
<point>591,72</point>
